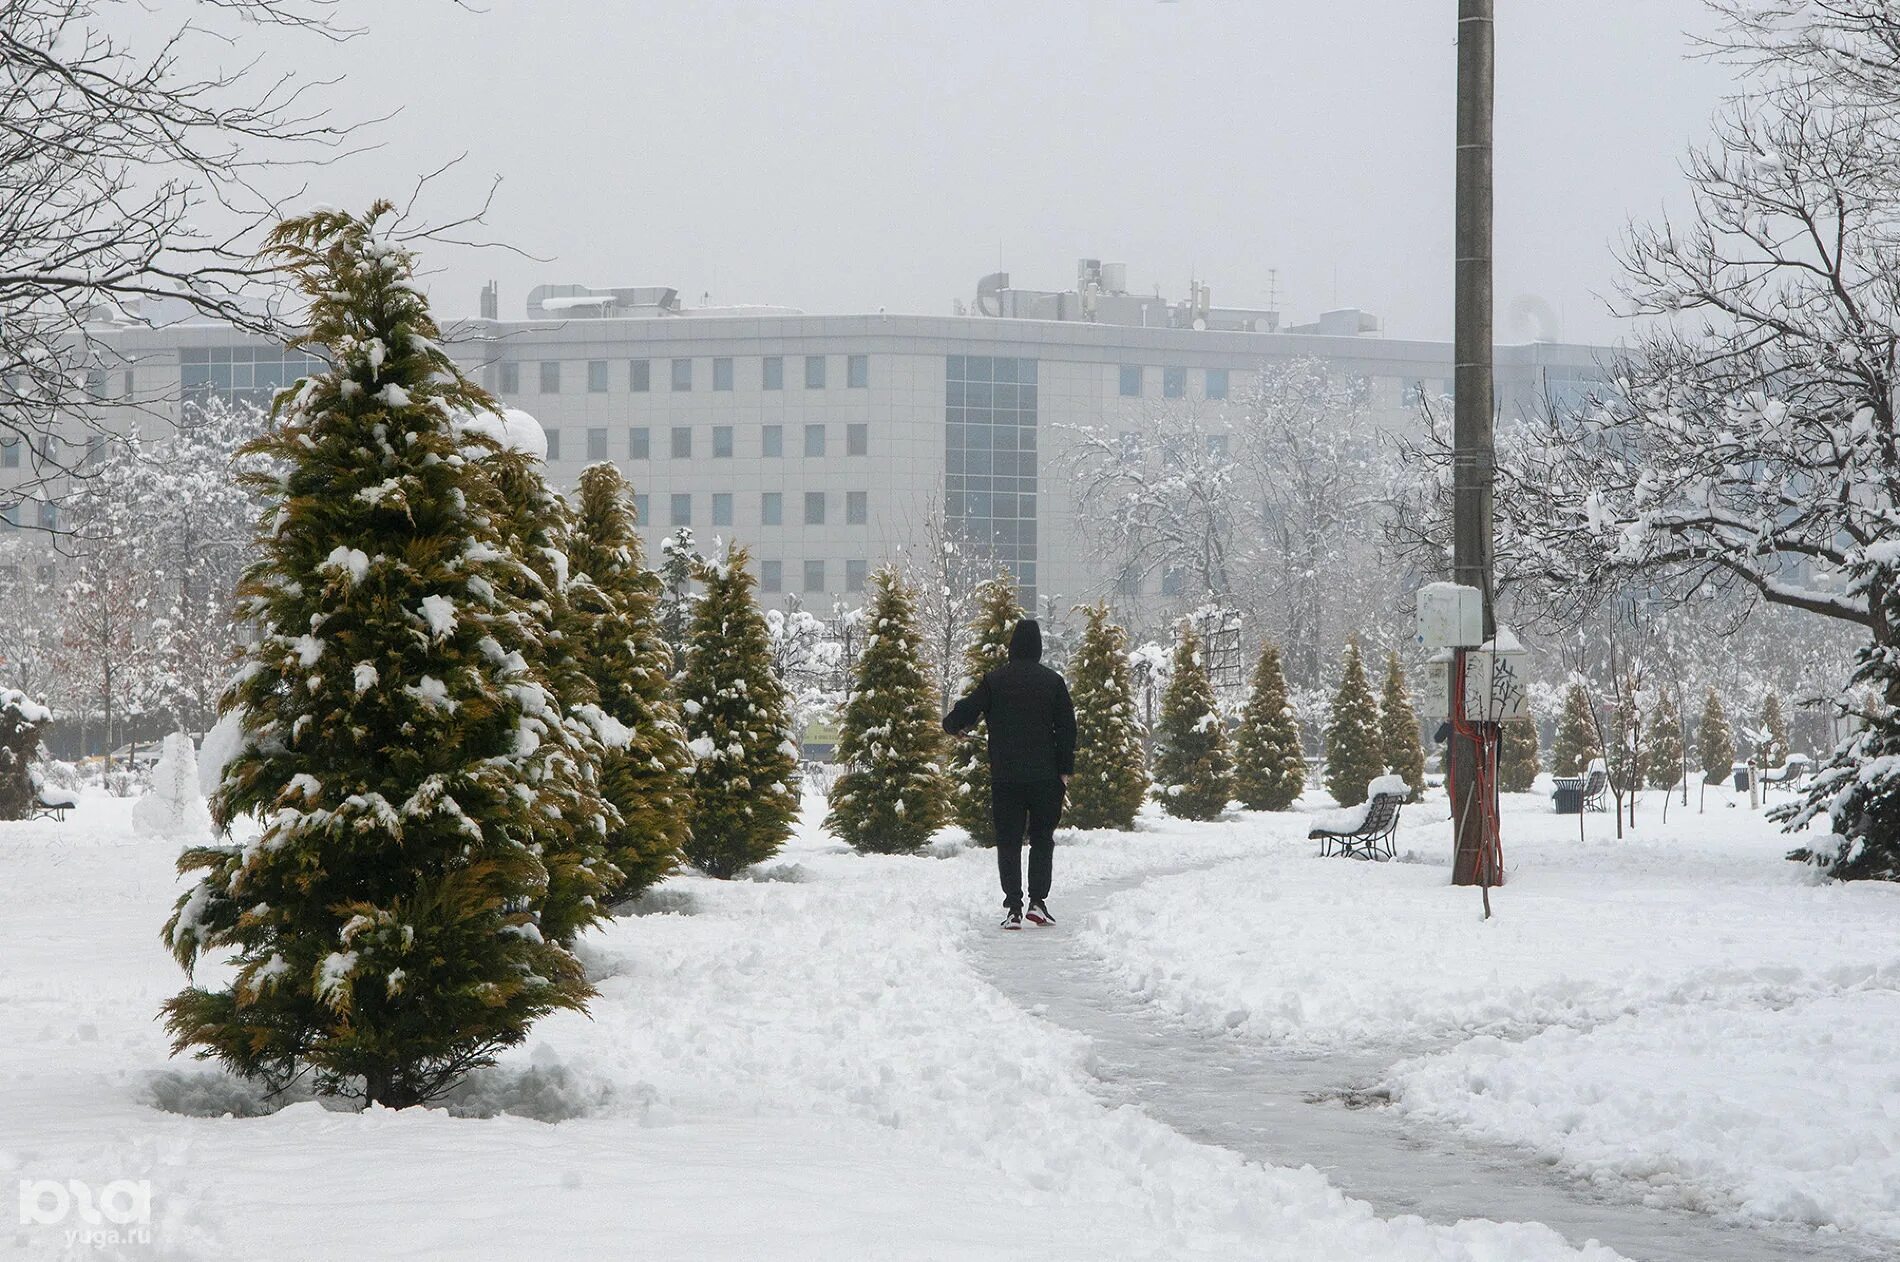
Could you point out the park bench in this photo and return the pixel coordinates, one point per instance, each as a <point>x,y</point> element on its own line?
<point>1789,775</point>
<point>1364,833</point>
<point>1591,789</point>
<point>49,800</point>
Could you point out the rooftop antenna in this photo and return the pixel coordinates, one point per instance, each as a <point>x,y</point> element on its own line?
<point>1273,289</point>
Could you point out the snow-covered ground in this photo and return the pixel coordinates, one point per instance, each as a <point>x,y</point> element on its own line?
<point>1682,1013</point>
<point>800,1067</point>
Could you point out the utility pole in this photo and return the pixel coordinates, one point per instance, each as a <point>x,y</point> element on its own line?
<point>1471,429</point>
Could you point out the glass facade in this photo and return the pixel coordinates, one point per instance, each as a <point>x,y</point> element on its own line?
<point>989,489</point>
<point>242,374</point>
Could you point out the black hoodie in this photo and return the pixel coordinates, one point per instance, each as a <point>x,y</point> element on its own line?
<point>1031,718</point>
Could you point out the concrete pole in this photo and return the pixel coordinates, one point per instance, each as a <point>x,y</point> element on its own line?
<point>1472,402</point>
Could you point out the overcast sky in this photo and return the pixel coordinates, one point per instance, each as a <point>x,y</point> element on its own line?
<point>847,155</point>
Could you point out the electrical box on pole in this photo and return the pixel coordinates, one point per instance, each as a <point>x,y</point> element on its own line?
<point>1450,616</point>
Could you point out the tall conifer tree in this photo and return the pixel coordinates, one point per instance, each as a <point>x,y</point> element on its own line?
<point>1355,743</point>
<point>1111,759</point>
<point>1269,763</point>
<point>1517,756</point>
<point>1664,753</point>
<point>1577,745</point>
<point>402,746</point>
<point>1398,728</point>
<point>1715,743</point>
<point>997,613</point>
<point>738,723</point>
<point>1193,772</point>
<point>892,795</point>
<point>621,648</point>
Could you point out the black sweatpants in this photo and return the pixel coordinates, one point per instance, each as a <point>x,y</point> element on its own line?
<point>1015,809</point>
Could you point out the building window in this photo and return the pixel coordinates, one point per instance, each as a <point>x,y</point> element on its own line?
<point>642,509</point>
<point>550,376</point>
<point>554,444</point>
<point>857,371</point>
<point>239,374</point>
<point>1129,444</point>
<point>1173,383</point>
<point>639,443</point>
<point>682,442</point>
<point>1217,383</point>
<point>49,515</point>
<point>814,508</point>
<point>10,454</point>
<point>10,520</point>
<point>772,440</point>
<point>1131,381</point>
<point>990,442</point>
<point>682,374</point>
<point>814,372</point>
<point>772,508</point>
<point>1128,583</point>
<point>722,508</point>
<point>814,576</point>
<point>639,375</point>
<point>682,510</point>
<point>597,444</point>
<point>814,440</point>
<point>774,376</point>
<point>857,508</point>
<point>722,441</point>
<point>1217,446</point>
<point>1173,579</point>
<point>722,374</point>
<point>857,439</point>
<point>597,376</point>
<point>510,377</point>
<point>772,576</point>
<point>855,572</point>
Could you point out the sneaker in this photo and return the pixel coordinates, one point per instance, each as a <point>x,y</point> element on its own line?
<point>1038,914</point>
<point>1013,919</point>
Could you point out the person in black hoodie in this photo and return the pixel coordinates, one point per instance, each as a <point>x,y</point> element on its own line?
<point>1032,755</point>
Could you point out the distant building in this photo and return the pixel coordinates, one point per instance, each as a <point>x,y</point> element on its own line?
<point>827,443</point>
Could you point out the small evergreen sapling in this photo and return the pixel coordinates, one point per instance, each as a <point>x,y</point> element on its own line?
<point>1577,745</point>
<point>892,795</point>
<point>1269,763</point>
<point>1193,774</point>
<point>1517,756</point>
<point>1111,758</point>
<point>744,779</point>
<point>1355,743</point>
<point>21,719</point>
<point>1398,728</point>
<point>619,644</point>
<point>996,616</point>
<point>400,742</point>
<point>1664,754</point>
<point>1775,723</point>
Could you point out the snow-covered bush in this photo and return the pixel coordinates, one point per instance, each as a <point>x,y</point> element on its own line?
<point>1355,747</point>
<point>1111,771</point>
<point>174,806</point>
<point>21,719</point>
<point>1192,776</point>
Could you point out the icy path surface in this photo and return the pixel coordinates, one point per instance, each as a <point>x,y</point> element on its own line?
<point>1286,1109</point>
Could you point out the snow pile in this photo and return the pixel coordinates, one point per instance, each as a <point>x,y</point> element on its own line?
<point>174,806</point>
<point>221,744</point>
<point>512,429</point>
<point>1781,1113</point>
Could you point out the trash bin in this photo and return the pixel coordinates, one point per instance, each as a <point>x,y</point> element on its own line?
<point>1569,797</point>
<point>1741,777</point>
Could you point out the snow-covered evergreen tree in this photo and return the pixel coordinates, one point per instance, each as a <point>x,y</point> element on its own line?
<point>535,524</point>
<point>1715,742</point>
<point>679,564</point>
<point>1193,777</point>
<point>1398,728</point>
<point>1269,764</point>
<point>987,647</point>
<point>1663,757</point>
<point>744,779</point>
<point>173,806</point>
<point>1577,743</point>
<point>1111,758</point>
<point>1775,724</point>
<point>402,749</point>
<point>1355,742</point>
<point>618,643</point>
<point>1517,756</point>
<point>21,719</point>
<point>893,794</point>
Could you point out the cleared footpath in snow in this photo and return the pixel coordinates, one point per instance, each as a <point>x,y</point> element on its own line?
<point>801,1066</point>
<point>1678,1042</point>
